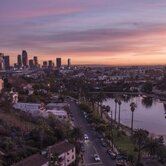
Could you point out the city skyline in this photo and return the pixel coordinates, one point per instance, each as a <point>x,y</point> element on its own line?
<point>89,32</point>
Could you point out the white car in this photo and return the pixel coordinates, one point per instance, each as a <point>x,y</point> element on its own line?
<point>96,157</point>
<point>86,138</point>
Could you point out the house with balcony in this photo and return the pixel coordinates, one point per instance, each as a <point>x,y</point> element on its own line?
<point>60,154</point>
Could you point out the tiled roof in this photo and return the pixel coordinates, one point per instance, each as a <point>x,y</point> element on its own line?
<point>61,147</point>
<point>34,160</point>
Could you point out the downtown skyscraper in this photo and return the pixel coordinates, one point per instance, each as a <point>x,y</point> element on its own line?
<point>24,58</point>
<point>58,63</point>
<point>35,59</point>
<point>19,61</point>
<point>6,62</point>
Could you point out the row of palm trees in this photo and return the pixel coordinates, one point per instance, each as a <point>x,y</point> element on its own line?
<point>100,97</point>
<point>118,103</point>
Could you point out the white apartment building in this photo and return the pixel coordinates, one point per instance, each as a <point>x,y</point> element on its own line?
<point>60,114</point>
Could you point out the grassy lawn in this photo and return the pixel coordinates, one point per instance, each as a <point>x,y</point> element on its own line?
<point>125,144</point>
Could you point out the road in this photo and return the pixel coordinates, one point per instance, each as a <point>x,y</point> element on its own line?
<point>93,146</point>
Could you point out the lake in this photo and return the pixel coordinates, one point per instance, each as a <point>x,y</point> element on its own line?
<point>150,114</point>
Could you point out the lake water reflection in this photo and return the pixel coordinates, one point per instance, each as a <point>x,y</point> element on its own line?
<point>150,114</point>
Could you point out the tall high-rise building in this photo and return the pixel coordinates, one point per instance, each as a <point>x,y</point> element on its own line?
<point>19,61</point>
<point>35,59</point>
<point>24,58</point>
<point>69,62</point>
<point>7,62</point>
<point>2,61</point>
<point>58,63</point>
<point>44,64</point>
<point>31,63</point>
<point>50,63</point>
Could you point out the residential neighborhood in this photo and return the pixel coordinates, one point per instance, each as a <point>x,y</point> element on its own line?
<point>78,117</point>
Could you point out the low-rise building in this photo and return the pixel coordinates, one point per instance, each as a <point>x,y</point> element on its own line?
<point>60,114</point>
<point>34,160</point>
<point>57,109</point>
<point>65,152</point>
<point>28,107</point>
<point>62,154</point>
<point>57,105</point>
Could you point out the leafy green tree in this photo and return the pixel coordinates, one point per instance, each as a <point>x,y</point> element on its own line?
<point>152,146</point>
<point>140,137</point>
<point>147,87</point>
<point>76,135</point>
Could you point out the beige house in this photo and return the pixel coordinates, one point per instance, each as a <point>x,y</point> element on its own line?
<point>65,153</point>
<point>60,154</point>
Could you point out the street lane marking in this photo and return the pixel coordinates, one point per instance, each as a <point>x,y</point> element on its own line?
<point>95,149</point>
<point>94,164</point>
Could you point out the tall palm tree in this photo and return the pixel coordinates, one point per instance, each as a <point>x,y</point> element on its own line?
<point>99,99</point>
<point>132,108</point>
<point>119,103</point>
<point>116,102</point>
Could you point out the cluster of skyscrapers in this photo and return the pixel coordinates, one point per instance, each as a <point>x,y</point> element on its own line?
<point>51,64</point>
<point>23,62</point>
<point>4,62</point>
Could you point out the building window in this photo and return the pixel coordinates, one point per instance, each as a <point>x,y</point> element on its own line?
<point>68,153</point>
<point>73,157</point>
<point>72,150</point>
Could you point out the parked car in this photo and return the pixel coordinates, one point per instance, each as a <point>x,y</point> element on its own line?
<point>99,135</point>
<point>96,157</point>
<point>85,115</point>
<point>103,142</point>
<point>120,160</point>
<point>112,154</point>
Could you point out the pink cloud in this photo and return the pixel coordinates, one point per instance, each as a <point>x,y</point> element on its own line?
<point>41,12</point>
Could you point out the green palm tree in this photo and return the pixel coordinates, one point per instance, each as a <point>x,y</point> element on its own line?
<point>119,103</point>
<point>99,99</point>
<point>116,102</point>
<point>132,108</point>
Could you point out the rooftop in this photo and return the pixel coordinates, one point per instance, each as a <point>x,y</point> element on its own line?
<point>34,160</point>
<point>61,147</point>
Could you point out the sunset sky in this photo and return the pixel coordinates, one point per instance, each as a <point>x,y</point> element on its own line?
<point>112,32</point>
